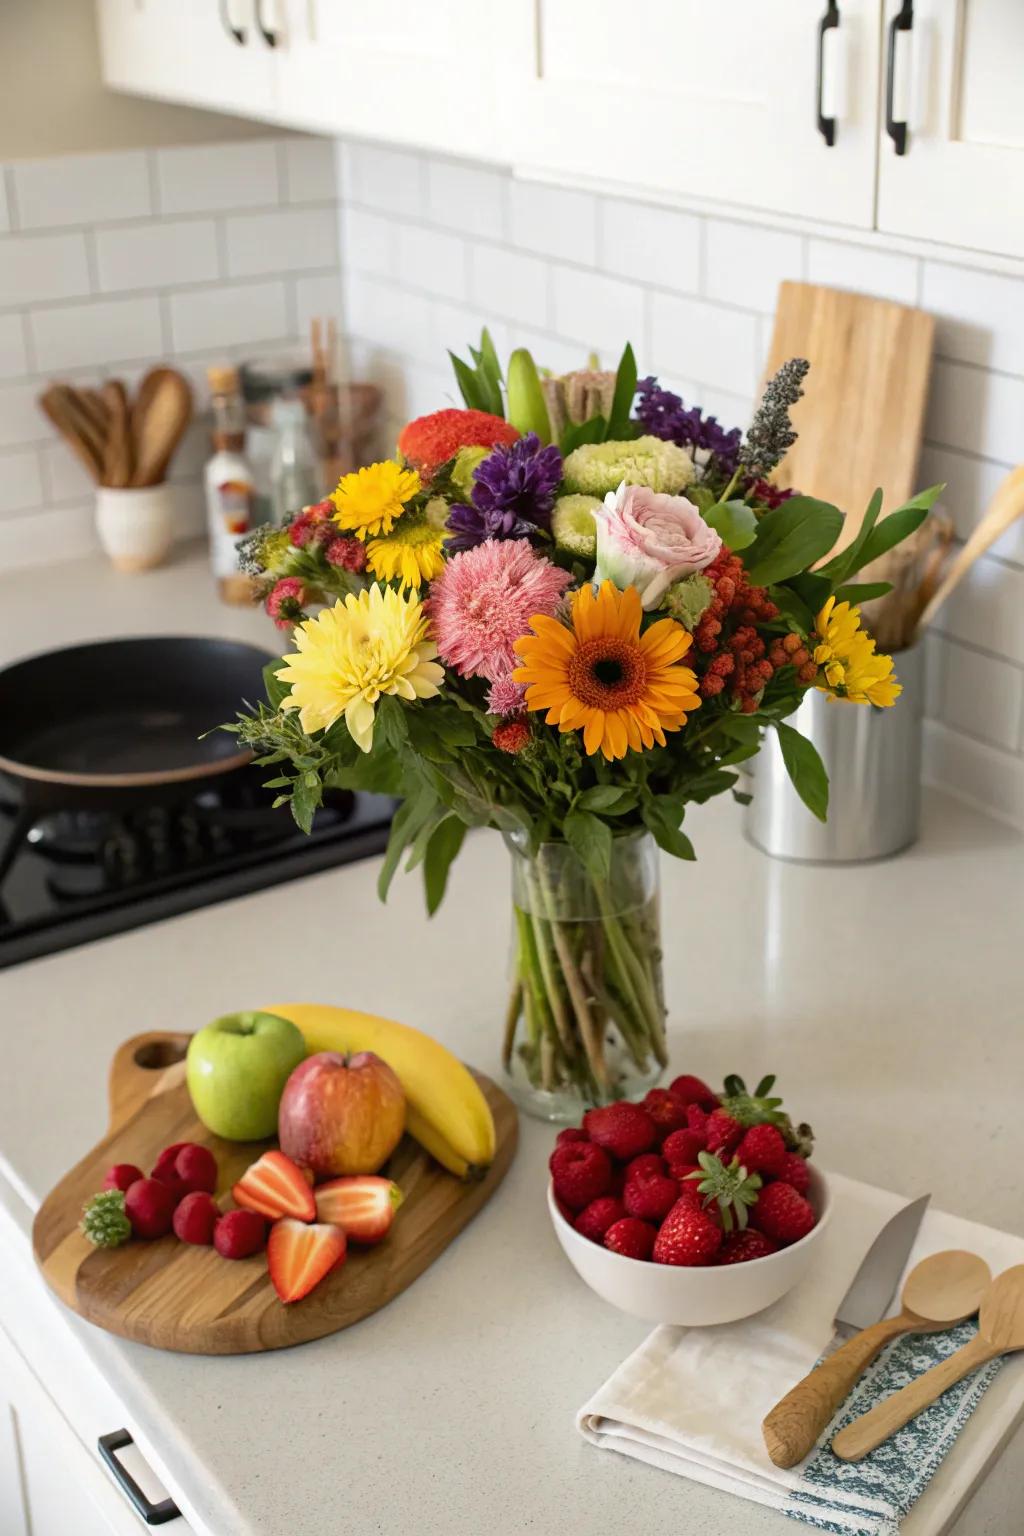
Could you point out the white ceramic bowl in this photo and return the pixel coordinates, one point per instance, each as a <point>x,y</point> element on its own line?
<point>699,1297</point>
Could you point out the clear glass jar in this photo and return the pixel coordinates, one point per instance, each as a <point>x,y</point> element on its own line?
<point>586,1014</point>
<point>294,477</point>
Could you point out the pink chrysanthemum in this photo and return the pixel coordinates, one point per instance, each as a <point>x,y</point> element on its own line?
<point>484,601</point>
<point>285,600</point>
<point>346,554</point>
<point>505,697</point>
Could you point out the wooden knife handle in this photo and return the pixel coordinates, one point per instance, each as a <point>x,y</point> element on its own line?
<point>867,1432</point>
<point>794,1424</point>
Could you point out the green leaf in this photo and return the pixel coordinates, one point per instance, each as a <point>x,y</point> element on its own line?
<point>527,407</point>
<point>591,841</point>
<point>391,722</point>
<point>805,769</point>
<point>445,842</point>
<point>793,609</point>
<point>790,539</point>
<point>469,384</point>
<point>892,530</point>
<point>735,521</point>
<point>625,390</point>
<point>845,563</point>
<point>576,433</point>
<point>662,815</point>
<point>609,799</point>
<point>276,690</point>
<point>489,370</point>
<point>862,591</point>
<point>411,815</point>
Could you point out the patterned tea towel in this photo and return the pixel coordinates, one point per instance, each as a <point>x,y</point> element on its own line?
<point>691,1400</point>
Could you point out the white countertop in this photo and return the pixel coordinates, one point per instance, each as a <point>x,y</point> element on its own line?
<point>886,998</point>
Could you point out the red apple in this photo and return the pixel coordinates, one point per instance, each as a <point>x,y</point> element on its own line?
<point>341,1114</point>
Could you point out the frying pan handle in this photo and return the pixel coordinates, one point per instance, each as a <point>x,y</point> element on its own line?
<point>143,1067</point>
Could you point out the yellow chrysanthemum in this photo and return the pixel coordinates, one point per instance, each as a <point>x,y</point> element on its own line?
<point>351,654</point>
<point>411,555</point>
<point>370,501</point>
<point>852,667</point>
<point>623,688</point>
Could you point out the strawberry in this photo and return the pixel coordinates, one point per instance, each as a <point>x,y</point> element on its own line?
<point>149,1205</point>
<point>697,1120</point>
<point>691,1090</point>
<point>300,1254</point>
<point>687,1187</point>
<point>122,1176</point>
<point>195,1218</point>
<point>724,1133</point>
<point>782,1214</point>
<point>740,1247</point>
<point>595,1219</point>
<point>688,1236</point>
<point>633,1238</point>
<point>624,1130</point>
<point>726,1188</point>
<point>196,1167</point>
<point>650,1197</point>
<point>239,1234</point>
<point>667,1112</point>
<point>682,1147</point>
<point>762,1150</point>
<point>581,1172</point>
<point>275,1186</point>
<point>795,1172</point>
<point>362,1205</point>
<point>643,1166</point>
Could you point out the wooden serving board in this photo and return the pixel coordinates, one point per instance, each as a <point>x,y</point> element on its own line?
<point>175,1295</point>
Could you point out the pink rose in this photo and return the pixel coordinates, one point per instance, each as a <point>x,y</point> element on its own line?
<point>648,541</point>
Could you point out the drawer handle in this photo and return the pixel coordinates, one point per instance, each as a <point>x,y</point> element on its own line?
<point>238,33</point>
<point>826,125</point>
<point>153,1514</point>
<point>903,21</point>
<point>268,33</point>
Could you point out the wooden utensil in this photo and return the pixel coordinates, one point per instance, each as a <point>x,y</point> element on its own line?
<point>860,420</point>
<point>943,1289</point>
<point>177,1296</point>
<point>1005,507</point>
<point>1000,1331</point>
<point>913,568</point>
<point>118,454</point>
<point>159,420</point>
<point>61,405</point>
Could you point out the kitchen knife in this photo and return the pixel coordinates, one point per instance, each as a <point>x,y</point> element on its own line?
<point>793,1426</point>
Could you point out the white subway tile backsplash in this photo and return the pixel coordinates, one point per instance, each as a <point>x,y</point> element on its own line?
<point>64,477</point>
<point>601,312</point>
<point>699,340</point>
<point>309,170</point>
<point>228,316</point>
<point>209,178</point>
<point>863,269</point>
<point>457,326</point>
<point>35,269</point>
<point>13,361</point>
<point>987,609</point>
<point>468,198</point>
<point>982,695</point>
<point>81,189</point>
<point>553,220</point>
<point>21,420</point>
<point>317,297</point>
<point>21,484</point>
<point>509,284</point>
<point>368,241</point>
<point>744,264</point>
<point>650,245</point>
<point>89,335</point>
<point>283,240</point>
<point>380,312</point>
<point>389,179</point>
<point>555,352</point>
<point>428,259</point>
<point>30,539</point>
<point>980,315</point>
<point>159,253</point>
<point>970,485</point>
<point>731,410</point>
<point>977,411</point>
<point>990,779</point>
<point>5,216</point>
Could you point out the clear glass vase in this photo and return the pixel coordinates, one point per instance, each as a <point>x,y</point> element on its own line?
<point>586,1013</point>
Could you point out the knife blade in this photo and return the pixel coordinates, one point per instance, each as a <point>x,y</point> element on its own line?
<point>874,1285</point>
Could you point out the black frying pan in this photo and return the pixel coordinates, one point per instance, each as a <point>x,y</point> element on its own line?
<point>96,727</point>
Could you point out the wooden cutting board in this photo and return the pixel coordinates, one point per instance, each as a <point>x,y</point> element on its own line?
<point>862,415</point>
<point>174,1295</point>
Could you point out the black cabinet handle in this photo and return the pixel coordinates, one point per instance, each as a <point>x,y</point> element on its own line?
<point>903,21</point>
<point>238,33</point>
<point>153,1514</point>
<point>268,33</point>
<point>826,125</point>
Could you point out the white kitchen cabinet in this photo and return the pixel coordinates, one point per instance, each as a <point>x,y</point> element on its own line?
<point>958,84</point>
<point>706,101</point>
<point>209,53</point>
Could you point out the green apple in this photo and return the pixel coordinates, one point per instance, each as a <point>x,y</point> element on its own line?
<point>236,1071</point>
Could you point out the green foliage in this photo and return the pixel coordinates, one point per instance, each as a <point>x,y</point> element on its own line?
<point>729,1186</point>
<point>791,538</point>
<point>625,391</point>
<point>527,408</point>
<point>480,384</point>
<point>591,841</point>
<point>805,769</point>
<point>576,433</point>
<point>735,521</point>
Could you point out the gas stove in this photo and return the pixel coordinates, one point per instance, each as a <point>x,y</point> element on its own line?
<point>82,875</point>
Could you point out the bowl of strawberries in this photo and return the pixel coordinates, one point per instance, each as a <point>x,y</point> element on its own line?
<point>692,1207</point>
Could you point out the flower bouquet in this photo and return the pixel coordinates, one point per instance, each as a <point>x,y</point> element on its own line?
<point>565,611</point>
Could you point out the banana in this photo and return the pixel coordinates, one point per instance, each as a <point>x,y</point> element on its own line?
<point>446,1111</point>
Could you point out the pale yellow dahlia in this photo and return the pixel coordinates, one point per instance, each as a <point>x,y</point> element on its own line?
<point>371,500</point>
<point>351,654</point>
<point>846,653</point>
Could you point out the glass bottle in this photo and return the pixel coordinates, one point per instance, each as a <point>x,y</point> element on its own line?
<point>294,476</point>
<point>229,485</point>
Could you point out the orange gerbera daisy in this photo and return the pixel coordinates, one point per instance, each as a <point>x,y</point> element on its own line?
<point>624,689</point>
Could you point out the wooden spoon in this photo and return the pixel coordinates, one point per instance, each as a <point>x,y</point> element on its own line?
<point>1005,507</point>
<point>159,426</point>
<point>118,455</point>
<point>1000,1331</point>
<point>943,1289</point>
<point>61,405</point>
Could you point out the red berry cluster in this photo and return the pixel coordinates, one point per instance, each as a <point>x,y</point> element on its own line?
<point>790,650</point>
<point>727,633</point>
<point>511,736</point>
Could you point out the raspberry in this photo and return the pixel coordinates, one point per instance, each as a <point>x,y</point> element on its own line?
<point>149,1205</point>
<point>239,1234</point>
<point>763,1150</point>
<point>741,1247</point>
<point>795,1172</point>
<point>581,1172</point>
<point>623,1129</point>
<point>633,1238</point>
<point>196,1167</point>
<point>196,1217</point>
<point>595,1218</point>
<point>122,1176</point>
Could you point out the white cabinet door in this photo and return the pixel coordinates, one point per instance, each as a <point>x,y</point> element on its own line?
<point>418,72</point>
<point>715,102</point>
<point>958,84</point>
<point>210,53</point>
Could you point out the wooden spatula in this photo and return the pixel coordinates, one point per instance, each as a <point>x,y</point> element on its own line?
<point>1000,1331</point>
<point>1005,507</point>
<point>60,404</point>
<point>118,455</point>
<point>159,419</point>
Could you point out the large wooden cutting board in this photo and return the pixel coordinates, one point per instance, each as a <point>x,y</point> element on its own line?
<point>862,414</point>
<point>177,1296</point>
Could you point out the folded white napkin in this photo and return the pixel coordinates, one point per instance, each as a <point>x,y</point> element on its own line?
<point>691,1400</point>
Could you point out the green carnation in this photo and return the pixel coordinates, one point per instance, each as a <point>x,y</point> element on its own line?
<point>597,468</point>
<point>573,525</point>
<point>688,599</point>
<point>466,461</point>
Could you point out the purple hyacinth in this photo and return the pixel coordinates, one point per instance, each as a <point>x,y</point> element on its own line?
<point>664,415</point>
<point>513,493</point>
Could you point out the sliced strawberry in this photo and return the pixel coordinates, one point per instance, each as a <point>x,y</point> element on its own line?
<point>363,1205</point>
<point>275,1186</point>
<point>300,1254</point>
